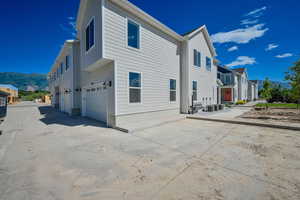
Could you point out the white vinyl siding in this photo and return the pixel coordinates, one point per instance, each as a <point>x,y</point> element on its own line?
<point>206,80</point>
<point>158,60</point>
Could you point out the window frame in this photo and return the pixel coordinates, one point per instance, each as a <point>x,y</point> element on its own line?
<point>139,34</point>
<point>196,99</point>
<point>67,62</point>
<point>85,30</point>
<point>140,88</point>
<point>197,58</point>
<point>208,68</point>
<point>61,68</point>
<point>172,90</point>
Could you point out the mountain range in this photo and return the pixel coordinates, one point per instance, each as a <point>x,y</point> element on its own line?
<point>28,82</point>
<point>32,82</point>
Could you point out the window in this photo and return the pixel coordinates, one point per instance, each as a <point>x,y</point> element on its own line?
<point>133,34</point>
<point>208,63</point>
<point>89,35</point>
<point>172,90</point>
<point>134,87</point>
<point>2,101</point>
<point>197,58</point>
<point>194,90</point>
<point>61,68</point>
<point>67,62</point>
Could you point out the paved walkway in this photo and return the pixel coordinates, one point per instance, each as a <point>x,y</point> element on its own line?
<point>48,155</point>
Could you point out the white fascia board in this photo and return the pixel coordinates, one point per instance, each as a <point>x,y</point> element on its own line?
<point>207,38</point>
<point>66,45</point>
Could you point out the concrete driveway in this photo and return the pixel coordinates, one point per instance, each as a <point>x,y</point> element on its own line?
<point>48,155</point>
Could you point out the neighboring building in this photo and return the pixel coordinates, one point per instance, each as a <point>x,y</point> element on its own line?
<point>253,95</point>
<point>228,89</point>
<point>242,82</point>
<point>198,72</point>
<point>12,91</point>
<point>64,80</point>
<point>46,99</point>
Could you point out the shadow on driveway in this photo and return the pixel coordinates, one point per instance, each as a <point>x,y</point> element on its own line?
<point>53,116</point>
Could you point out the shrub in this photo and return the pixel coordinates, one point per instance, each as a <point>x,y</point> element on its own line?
<point>240,102</point>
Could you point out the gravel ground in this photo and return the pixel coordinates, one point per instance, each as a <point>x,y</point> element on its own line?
<point>48,155</point>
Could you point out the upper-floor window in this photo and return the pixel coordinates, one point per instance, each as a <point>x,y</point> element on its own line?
<point>172,90</point>
<point>90,35</point>
<point>67,62</point>
<point>133,34</point>
<point>197,58</point>
<point>195,90</point>
<point>61,68</point>
<point>134,87</point>
<point>208,63</point>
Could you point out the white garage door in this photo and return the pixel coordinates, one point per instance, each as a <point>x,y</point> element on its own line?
<point>94,102</point>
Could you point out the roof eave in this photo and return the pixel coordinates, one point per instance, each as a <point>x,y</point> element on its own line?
<point>207,37</point>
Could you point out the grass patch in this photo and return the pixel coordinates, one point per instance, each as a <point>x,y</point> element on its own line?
<point>277,105</point>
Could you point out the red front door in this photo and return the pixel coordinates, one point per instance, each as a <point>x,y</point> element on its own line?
<point>228,94</point>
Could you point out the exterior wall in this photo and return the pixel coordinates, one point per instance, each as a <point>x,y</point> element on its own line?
<point>13,94</point>
<point>158,60</point>
<point>66,83</point>
<point>184,77</point>
<point>102,74</point>
<point>206,80</point>
<point>244,87</point>
<point>94,11</point>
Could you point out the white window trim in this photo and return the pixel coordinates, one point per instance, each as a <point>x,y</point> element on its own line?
<point>92,47</point>
<point>200,60</point>
<point>126,35</point>
<point>141,88</point>
<point>170,90</point>
<point>210,68</point>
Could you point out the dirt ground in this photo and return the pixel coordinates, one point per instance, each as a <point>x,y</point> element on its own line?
<point>48,155</point>
<point>276,114</point>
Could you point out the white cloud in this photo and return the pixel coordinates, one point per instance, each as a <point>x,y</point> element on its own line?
<point>240,36</point>
<point>271,46</point>
<point>234,48</point>
<point>249,21</point>
<point>70,27</point>
<point>242,60</point>
<point>256,12</point>
<point>285,55</point>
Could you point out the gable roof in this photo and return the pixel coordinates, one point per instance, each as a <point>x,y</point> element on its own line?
<point>204,30</point>
<point>8,86</point>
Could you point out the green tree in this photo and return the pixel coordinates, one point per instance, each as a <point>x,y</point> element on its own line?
<point>266,90</point>
<point>293,76</point>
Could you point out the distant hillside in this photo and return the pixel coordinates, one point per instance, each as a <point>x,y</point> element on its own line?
<point>24,81</point>
<point>274,83</point>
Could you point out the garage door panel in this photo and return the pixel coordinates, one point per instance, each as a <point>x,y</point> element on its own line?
<point>96,104</point>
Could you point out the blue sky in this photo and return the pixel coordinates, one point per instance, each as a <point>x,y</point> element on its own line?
<point>262,35</point>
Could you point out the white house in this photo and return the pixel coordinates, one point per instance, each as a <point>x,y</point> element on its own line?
<point>198,72</point>
<point>64,82</point>
<point>241,76</point>
<point>132,68</point>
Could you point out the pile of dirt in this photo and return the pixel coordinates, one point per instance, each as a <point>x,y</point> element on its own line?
<point>291,115</point>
